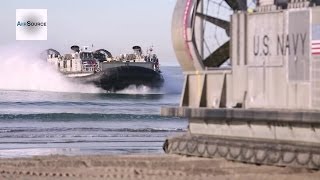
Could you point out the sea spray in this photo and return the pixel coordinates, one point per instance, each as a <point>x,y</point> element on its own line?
<point>173,82</point>
<point>133,89</point>
<point>23,69</point>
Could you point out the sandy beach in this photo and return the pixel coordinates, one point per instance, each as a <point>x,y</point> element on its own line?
<point>143,167</point>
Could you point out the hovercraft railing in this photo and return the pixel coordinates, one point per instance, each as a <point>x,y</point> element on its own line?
<point>90,68</point>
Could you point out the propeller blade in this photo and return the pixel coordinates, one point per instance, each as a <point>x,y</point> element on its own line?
<point>237,4</point>
<point>216,21</point>
<point>233,4</point>
<point>218,57</point>
<point>242,5</point>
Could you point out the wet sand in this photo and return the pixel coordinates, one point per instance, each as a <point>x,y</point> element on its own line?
<point>151,167</point>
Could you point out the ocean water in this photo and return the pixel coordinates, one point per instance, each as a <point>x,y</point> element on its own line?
<point>41,113</point>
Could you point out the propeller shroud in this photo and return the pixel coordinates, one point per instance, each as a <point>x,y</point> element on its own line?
<point>201,32</point>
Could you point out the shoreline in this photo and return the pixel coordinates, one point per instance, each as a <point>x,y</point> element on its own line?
<point>151,166</point>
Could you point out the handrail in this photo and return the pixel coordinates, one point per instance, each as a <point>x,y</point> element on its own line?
<point>89,67</point>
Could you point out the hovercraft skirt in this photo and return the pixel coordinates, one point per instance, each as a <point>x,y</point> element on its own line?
<point>118,78</point>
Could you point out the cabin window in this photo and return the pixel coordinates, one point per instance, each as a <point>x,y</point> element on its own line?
<point>86,56</point>
<point>71,63</point>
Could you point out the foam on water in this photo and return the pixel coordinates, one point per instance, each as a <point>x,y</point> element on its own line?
<point>133,89</point>
<point>173,82</point>
<point>23,69</point>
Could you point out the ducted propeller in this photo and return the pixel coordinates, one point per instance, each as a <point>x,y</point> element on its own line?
<point>201,32</point>
<point>221,54</point>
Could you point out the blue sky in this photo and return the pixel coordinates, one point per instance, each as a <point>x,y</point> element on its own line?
<point>115,25</point>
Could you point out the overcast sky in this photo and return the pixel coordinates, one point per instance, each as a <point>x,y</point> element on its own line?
<point>115,25</point>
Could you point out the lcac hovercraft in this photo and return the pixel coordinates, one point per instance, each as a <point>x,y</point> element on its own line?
<point>252,81</point>
<point>107,72</point>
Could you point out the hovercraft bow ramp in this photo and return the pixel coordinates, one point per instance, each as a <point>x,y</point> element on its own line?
<point>252,81</point>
